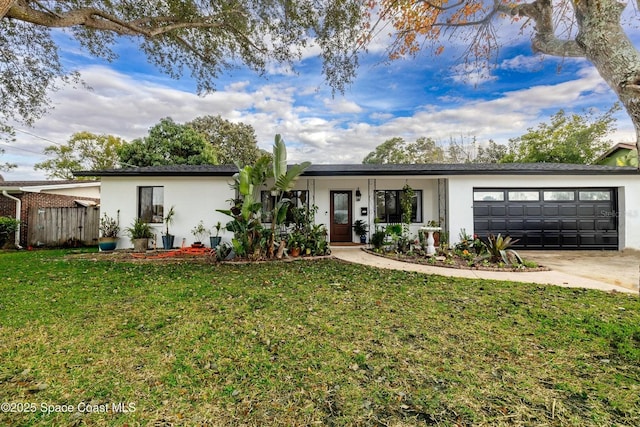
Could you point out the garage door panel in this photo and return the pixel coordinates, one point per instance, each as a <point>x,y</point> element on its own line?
<point>498,210</point>
<point>571,218</point>
<point>586,225</point>
<point>533,210</point>
<point>605,224</point>
<point>533,240</point>
<point>552,241</point>
<point>568,210</point>
<point>569,241</point>
<point>533,224</point>
<point>481,211</point>
<point>515,225</point>
<point>515,210</point>
<point>551,224</point>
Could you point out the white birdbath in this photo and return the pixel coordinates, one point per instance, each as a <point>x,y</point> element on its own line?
<point>430,242</point>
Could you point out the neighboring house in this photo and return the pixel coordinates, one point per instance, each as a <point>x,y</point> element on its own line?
<point>618,151</point>
<point>550,206</point>
<point>19,199</point>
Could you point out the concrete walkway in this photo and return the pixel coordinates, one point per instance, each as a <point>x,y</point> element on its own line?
<point>358,256</point>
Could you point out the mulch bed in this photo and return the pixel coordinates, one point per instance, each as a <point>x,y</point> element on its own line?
<point>452,262</point>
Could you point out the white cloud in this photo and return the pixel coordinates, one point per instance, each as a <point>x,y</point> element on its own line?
<point>523,63</point>
<point>340,106</point>
<point>470,74</point>
<point>312,125</point>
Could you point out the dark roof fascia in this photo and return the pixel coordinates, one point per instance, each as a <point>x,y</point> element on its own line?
<point>382,170</point>
<point>223,170</point>
<point>466,169</point>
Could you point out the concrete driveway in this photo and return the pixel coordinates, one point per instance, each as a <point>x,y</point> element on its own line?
<point>567,278</point>
<point>621,268</point>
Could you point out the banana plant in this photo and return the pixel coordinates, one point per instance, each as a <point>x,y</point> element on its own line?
<point>284,180</point>
<point>246,223</point>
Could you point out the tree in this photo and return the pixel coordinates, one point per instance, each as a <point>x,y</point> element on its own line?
<point>565,28</point>
<point>210,37</point>
<point>396,150</point>
<point>8,135</point>
<point>203,38</point>
<point>169,143</point>
<point>630,159</point>
<point>234,142</point>
<point>567,139</point>
<point>492,153</point>
<point>83,151</point>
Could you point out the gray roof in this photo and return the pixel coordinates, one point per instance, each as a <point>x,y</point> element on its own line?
<point>382,170</point>
<point>42,183</point>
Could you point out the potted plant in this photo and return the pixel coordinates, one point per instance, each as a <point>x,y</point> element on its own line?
<point>293,244</point>
<point>140,233</point>
<point>199,232</point>
<point>360,227</point>
<point>109,230</point>
<point>215,240</point>
<point>167,238</point>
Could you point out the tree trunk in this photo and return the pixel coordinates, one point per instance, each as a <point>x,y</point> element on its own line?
<point>5,5</point>
<point>609,49</point>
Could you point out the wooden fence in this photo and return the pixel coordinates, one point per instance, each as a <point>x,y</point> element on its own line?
<point>63,226</point>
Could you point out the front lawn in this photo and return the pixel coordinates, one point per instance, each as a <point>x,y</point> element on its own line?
<point>306,343</point>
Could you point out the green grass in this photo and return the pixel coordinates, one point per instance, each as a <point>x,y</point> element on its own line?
<point>308,343</point>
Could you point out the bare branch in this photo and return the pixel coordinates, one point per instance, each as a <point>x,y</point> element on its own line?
<point>441,8</point>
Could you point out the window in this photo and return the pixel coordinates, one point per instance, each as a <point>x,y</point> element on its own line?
<point>488,196</point>
<point>560,196</point>
<point>151,204</point>
<point>389,208</point>
<point>298,199</point>
<point>524,196</point>
<point>595,195</point>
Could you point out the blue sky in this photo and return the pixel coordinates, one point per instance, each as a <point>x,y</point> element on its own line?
<point>423,96</point>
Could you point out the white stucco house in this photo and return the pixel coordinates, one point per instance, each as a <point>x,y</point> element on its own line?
<point>546,206</point>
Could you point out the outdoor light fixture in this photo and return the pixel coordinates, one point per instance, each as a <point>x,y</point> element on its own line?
<point>358,195</point>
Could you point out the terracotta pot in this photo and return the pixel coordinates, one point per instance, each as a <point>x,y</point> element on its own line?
<point>295,252</point>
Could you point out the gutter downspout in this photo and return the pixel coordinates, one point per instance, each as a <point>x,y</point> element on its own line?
<point>18,210</point>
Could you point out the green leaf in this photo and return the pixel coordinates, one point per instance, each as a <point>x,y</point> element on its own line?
<point>279,157</point>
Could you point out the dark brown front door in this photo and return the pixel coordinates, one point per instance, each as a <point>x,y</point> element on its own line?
<point>341,216</point>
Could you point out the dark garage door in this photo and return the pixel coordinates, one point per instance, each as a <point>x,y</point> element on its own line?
<point>557,218</point>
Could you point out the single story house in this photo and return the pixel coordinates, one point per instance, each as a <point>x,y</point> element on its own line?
<point>19,199</point>
<point>546,206</point>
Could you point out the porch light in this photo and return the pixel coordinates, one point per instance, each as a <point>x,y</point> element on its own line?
<point>358,195</point>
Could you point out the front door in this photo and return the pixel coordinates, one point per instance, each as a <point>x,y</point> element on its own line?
<point>340,216</point>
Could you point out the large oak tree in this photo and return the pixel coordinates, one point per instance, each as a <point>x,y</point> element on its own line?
<point>589,29</point>
<point>203,38</point>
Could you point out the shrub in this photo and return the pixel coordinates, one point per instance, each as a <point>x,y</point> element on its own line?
<point>140,230</point>
<point>377,238</point>
<point>8,226</point>
<point>499,252</point>
<point>108,226</point>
